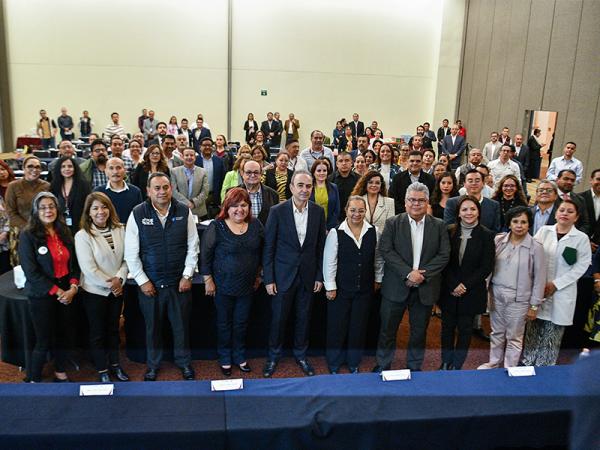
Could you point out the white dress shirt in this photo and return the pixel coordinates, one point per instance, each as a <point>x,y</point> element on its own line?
<point>559,164</point>
<point>330,254</point>
<point>416,237</point>
<point>596,200</point>
<point>301,221</point>
<point>132,247</point>
<point>499,170</point>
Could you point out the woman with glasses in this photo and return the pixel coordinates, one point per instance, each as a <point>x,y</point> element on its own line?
<point>48,259</point>
<point>19,195</point>
<point>352,273</point>
<point>154,161</point>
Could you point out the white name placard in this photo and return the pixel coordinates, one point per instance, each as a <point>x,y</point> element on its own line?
<point>96,389</point>
<point>525,371</point>
<point>395,375</point>
<point>227,385</point>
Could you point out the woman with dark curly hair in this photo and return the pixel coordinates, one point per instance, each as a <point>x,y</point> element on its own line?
<point>154,161</point>
<point>371,187</point>
<point>70,189</point>
<point>509,194</point>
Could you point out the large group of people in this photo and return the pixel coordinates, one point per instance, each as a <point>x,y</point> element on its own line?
<point>354,216</point>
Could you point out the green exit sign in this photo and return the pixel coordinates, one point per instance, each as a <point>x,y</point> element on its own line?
<point>263,92</point>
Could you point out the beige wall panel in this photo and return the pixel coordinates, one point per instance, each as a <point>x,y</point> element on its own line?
<point>585,88</point>
<point>468,63</point>
<point>517,30</point>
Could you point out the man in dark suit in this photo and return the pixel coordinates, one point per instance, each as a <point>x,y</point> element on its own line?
<point>442,132</point>
<point>454,146</point>
<point>215,171</point>
<point>271,128</point>
<point>262,197</point>
<point>565,182</point>
<point>199,134</point>
<point>358,127</point>
<point>293,268</point>
<point>345,180</point>
<point>413,275</point>
<point>544,210</point>
<point>591,199</point>
<point>402,180</point>
<point>490,209</point>
<point>522,154</point>
<point>161,132</point>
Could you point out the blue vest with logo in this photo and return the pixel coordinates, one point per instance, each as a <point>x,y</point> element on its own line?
<point>356,266</point>
<point>162,250</point>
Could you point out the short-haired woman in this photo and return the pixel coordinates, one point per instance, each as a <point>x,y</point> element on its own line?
<point>100,246</point>
<point>230,264</point>
<point>48,259</point>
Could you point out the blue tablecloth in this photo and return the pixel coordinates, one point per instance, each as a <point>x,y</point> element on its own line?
<point>462,409</point>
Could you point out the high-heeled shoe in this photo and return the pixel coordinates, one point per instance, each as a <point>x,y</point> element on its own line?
<point>226,371</point>
<point>244,367</point>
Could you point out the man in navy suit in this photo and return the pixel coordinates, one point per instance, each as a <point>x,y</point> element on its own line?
<point>293,267</point>
<point>215,171</point>
<point>454,146</point>
<point>358,127</point>
<point>199,134</point>
<point>490,209</point>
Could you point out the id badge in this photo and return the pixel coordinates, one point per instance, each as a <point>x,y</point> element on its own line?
<point>69,221</point>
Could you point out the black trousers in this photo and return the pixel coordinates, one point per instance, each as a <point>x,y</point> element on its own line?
<point>53,324</point>
<point>301,300</point>
<point>232,323</point>
<point>103,315</point>
<point>347,320</point>
<point>391,313</point>
<point>457,330</point>
<point>176,306</point>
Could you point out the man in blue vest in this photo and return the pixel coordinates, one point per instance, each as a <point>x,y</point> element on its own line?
<point>161,250</point>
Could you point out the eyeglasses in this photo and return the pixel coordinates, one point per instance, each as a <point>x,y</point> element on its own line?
<point>47,208</point>
<point>545,190</point>
<point>33,167</point>
<point>254,173</point>
<point>416,201</point>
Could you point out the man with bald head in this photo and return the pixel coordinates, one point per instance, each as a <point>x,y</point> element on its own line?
<point>475,159</point>
<point>124,196</point>
<point>66,149</point>
<point>262,197</point>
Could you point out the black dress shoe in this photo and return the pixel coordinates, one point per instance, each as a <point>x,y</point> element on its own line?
<point>61,380</point>
<point>446,366</point>
<point>333,370</point>
<point>353,369</point>
<point>151,374</point>
<point>306,367</point>
<point>103,377</point>
<point>481,334</point>
<point>187,372</point>
<point>244,367</point>
<point>119,373</point>
<point>226,371</point>
<point>379,369</point>
<point>269,369</point>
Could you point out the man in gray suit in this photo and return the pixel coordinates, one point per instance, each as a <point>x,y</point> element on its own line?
<point>413,274</point>
<point>190,184</point>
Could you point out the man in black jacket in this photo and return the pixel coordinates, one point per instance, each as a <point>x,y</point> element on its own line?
<point>345,180</point>
<point>402,180</point>
<point>261,197</point>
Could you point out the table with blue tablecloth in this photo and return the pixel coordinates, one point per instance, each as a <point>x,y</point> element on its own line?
<point>449,409</point>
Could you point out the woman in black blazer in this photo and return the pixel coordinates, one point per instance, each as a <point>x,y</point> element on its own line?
<point>48,259</point>
<point>250,127</point>
<point>70,189</point>
<point>464,291</point>
<point>279,178</point>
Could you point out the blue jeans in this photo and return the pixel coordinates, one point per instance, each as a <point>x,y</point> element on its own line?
<point>232,323</point>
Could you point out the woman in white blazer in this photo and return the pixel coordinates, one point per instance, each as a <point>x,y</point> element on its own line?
<point>568,256</point>
<point>371,187</point>
<point>99,245</point>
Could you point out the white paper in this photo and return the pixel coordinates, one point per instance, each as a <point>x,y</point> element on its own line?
<point>227,385</point>
<point>206,222</point>
<point>524,371</point>
<point>96,389</point>
<point>395,375</point>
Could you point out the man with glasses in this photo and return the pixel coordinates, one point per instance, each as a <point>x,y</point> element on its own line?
<point>93,168</point>
<point>416,249</point>
<point>66,149</point>
<point>262,197</point>
<point>215,172</point>
<point>503,166</point>
<point>545,206</point>
<point>404,179</point>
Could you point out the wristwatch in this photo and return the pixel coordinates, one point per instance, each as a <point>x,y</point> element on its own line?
<point>533,307</point>
<point>187,277</point>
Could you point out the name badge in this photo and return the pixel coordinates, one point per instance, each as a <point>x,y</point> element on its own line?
<point>42,250</point>
<point>68,221</point>
<point>147,221</point>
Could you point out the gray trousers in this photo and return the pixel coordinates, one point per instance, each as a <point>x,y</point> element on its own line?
<point>175,306</point>
<point>391,313</point>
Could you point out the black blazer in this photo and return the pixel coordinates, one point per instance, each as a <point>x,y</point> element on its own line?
<point>283,257</point>
<point>551,219</point>
<point>357,129</point>
<point>593,222</point>
<point>400,183</point>
<point>218,176</point>
<point>477,263</point>
<point>250,134</point>
<point>275,128</point>
<point>534,148</point>
<point>36,262</point>
<point>524,158</point>
<point>343,142</point>
<point>195,142</point>
<point>270,197</point>
<point>271,181</point>
<point>440,134</point>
